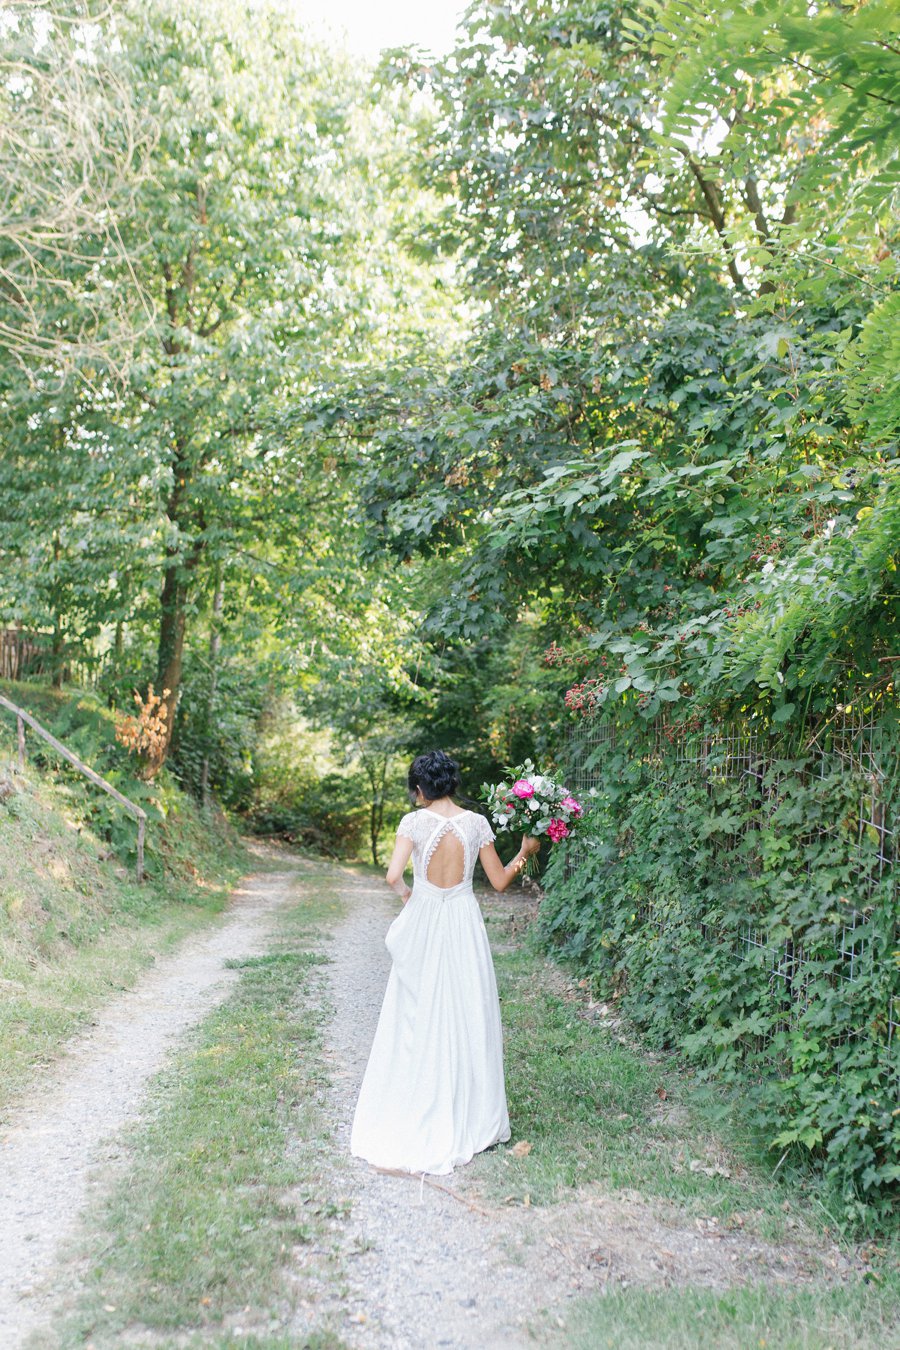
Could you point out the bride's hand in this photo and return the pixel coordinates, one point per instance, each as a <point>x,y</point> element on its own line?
<point>530,844</point>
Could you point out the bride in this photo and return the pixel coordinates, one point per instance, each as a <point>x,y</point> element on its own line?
<point>433,1092</point>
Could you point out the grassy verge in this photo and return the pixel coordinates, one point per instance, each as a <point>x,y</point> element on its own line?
<point>598,1110</point>
<point>74,926</point>
<point>745,1318</point>
<point>219,1229</point>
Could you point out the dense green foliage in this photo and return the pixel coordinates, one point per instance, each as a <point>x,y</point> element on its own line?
<point>670,429</point>
<point>555,378</point>
<point>669,457</point>
<point>662,437</point>
<point>179,529</point>
<point>736,902</point>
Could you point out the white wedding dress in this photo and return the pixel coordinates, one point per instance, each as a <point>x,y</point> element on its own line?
<point>433,1092</point>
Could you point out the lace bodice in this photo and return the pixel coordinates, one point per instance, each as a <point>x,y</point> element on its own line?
<point>426,829</point>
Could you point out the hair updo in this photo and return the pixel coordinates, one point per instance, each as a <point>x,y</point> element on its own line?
<point>434,774</point>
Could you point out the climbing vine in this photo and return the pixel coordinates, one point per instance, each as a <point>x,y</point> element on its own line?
<point>737,896</point>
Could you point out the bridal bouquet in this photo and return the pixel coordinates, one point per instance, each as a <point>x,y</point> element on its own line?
<point>532,803</point>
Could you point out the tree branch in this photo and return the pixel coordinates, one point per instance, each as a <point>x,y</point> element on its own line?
<point>755,206</point>
<point>826,75</point>
<point>716,215</point>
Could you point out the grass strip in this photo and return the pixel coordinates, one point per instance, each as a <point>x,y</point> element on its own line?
<point>749,1318</point>
<point>197,1241</point>
<point>597,1108</point>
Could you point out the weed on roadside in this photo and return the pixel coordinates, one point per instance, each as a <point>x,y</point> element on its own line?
<point>594,1108</point>
<point>76,928</point>
<point>594,1115</point>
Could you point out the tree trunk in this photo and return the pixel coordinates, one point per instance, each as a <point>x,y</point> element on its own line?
<point>377,779</point>
<point>174,596</point>
<point>119,647</point>
<point>177,575</point>
<point>57,654</point>
<point>369,770</point>
<point>170,660</point>
<point>57,644</point>
<point>118,651</point>
<point>215,647</point>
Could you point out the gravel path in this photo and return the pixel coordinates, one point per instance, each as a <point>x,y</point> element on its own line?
<point>436,1265</point>
<point>432,1271</point>
<point>68,1124</point>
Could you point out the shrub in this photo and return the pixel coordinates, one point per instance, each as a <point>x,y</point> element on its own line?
<point>330,815</point>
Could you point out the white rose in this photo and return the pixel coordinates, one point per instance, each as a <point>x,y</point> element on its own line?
<point>533,804</point>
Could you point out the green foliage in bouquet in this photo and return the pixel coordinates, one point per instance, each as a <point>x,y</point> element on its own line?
<point>532,803</point>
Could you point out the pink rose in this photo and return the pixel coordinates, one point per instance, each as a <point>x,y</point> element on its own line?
<point>523,789</point>
<point>570,804</point>
<point>558,829</point>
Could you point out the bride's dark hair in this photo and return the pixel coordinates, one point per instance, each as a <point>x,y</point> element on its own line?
<point>435,774</point>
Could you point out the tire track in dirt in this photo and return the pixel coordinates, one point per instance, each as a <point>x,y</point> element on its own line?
<point>423,1266</point>
<point>429,1268</point>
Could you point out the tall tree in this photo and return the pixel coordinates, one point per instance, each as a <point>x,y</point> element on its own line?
<point>660,387</point>
<point>273,242</point>
<point>74,151</point>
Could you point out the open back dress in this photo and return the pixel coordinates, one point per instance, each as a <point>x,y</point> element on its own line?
<point>433,1093</point>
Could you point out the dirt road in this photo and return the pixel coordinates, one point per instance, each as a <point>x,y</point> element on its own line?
<point>67,1126</point>
<point>421,1265</point>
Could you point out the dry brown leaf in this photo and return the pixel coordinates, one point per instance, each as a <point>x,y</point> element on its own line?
<point>521,1149</point>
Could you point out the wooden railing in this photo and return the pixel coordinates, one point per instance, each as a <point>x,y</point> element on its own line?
<point>23,718</point>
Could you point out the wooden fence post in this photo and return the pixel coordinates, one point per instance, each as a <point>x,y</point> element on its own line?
<point>142,821</point>
<point>20,728</point>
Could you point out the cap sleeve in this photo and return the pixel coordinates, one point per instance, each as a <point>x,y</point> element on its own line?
<point>483,832</point>
<point>407,827</point>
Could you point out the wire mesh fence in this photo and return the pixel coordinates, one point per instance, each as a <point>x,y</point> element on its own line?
<point>857,748</point>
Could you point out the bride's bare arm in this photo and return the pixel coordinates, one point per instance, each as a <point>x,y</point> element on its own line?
<point>500,876</point>
<point>397,866</point>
